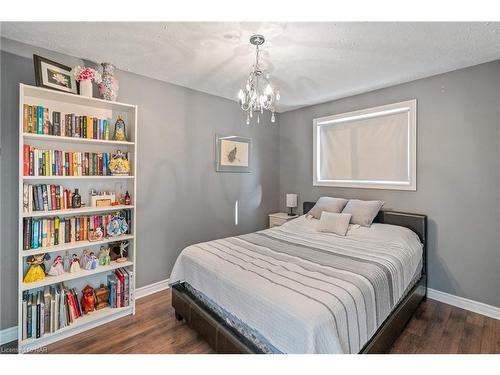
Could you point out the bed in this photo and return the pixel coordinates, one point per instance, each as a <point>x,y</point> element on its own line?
<point>291,289</point>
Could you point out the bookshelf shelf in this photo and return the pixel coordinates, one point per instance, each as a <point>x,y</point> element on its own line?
<point>79,107</point>
<point>77,211</point>
<point>82,322</point>
<point>56,138</point>
<point>49,280</point>
<point>74,245</point>
<point>51,178</point>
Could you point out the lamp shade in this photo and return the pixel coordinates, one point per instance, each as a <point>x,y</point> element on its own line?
<point>291,200</point>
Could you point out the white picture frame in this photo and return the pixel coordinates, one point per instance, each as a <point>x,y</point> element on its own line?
<point>233,154</point>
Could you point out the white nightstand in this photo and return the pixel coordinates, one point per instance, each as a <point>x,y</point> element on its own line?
<point>280,218</point>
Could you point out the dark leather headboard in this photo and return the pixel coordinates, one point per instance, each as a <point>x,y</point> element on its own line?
<point>415,222</point>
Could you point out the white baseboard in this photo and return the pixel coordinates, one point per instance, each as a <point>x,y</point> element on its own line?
<point>464,303</point>
<point>151,288</point>
<point>10,334</point>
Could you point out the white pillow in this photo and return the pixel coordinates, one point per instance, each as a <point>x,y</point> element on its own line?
<point>363,212</point>
<point>332,222</point>
<point>328,204</point>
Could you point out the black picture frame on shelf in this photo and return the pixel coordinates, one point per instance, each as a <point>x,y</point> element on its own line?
<point>53,75</point>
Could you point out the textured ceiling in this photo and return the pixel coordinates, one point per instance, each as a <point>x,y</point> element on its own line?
<point>309,62</point>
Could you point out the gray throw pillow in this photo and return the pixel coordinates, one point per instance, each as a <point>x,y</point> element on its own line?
<point>327,204</point>
<point>363,212</point>
<point>332,222</point>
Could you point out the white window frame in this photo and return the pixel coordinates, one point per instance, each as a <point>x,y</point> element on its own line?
<point>410,107</point>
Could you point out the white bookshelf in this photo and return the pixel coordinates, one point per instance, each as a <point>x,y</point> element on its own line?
<point>69,103</point>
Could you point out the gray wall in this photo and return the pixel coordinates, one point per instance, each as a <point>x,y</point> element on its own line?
<point>181,199</point>
<point>458,172</point>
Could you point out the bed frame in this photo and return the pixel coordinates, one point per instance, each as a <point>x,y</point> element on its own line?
<point>224,339</point>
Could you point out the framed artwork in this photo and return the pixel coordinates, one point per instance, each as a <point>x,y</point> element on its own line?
<point>52,75</point>
<point>233,154</point>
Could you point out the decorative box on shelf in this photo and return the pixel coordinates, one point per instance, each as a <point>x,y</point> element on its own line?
<point>102,200</point>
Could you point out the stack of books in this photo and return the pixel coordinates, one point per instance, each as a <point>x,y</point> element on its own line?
<point>121,291</point>
<point>49,310</point>
<point>38,162</point>
<point>40,120</point>
<point>58,230</point>
<point>45,197</point>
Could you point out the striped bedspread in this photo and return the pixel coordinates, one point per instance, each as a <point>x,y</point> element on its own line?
<point>306,291</point>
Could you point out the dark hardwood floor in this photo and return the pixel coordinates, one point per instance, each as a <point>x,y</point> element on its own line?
<point>435,328</point>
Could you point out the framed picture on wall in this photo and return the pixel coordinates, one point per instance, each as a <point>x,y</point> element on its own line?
<point>52,75</point>
<point>233,154</point>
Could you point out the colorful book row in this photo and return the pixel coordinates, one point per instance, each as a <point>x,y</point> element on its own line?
<point>121,291</point>
<point>46,197</point>
<point>37,162</point>
<point>58,230</point>
<point>40,120</point>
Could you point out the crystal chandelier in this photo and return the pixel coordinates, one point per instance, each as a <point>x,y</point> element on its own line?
<point>258,94</point>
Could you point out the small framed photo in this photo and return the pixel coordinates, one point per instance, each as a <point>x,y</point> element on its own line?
<point>52,75</point>
<point>233,154</point>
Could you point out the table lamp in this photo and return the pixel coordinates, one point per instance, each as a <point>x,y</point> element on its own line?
<point>291,203</point>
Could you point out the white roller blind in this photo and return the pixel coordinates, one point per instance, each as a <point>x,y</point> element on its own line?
<point>373,148</point>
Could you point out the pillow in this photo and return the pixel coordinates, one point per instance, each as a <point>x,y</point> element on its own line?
<point>363,212</point>
<point>327,204</point>
<point>332,222</point>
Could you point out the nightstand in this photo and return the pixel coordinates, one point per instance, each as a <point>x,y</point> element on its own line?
<point>280,218</point>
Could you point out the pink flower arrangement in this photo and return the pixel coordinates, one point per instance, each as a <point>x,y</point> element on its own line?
<point>85,74</point>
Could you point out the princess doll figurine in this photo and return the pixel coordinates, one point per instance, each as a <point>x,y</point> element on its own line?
<point>35,270</point>
<point>75,264</point>
<point>57,267</point>
<point>84,258</point>
<point>92,262</point>
<point>66,262</point>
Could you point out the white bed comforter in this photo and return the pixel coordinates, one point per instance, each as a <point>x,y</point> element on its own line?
<point>306,291</point>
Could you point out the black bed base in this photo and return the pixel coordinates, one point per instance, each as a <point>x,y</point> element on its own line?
<point>224,339</point>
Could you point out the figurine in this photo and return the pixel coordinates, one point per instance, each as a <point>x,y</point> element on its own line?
<point>119,165</point>
<point>117,226</point>
<point>35,270</point>
<point>57,267</point>
<point>102,297</point>
<point>120,130</point>
<point>115,250</point>
<point>92,262</point>
<point>96,235</point>
<point>104,258</point>
<point>88,299</point>
<point>75,264</point>
<point>84,258</point>
<point>66,262</point>
<point>123,247</point>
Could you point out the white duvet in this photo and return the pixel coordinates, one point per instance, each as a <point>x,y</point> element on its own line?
<point>306,291</point>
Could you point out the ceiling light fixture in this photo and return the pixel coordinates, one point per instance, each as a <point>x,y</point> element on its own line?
<point>259,94</point>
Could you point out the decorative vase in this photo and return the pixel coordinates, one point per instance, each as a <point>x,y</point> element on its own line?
<point>86,88</point>
<point>108,88</point>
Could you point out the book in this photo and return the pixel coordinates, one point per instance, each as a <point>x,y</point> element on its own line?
<point>38,315</point>
<point>25,316</point>
<point>25,117</point>
<point>47,304</point>
<point>32,317</point>
<point>39,120</point>
<point>56,121</point>
<point>26,160</point>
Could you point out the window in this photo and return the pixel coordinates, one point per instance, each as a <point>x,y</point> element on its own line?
<point>373,148</point>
